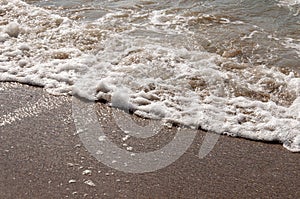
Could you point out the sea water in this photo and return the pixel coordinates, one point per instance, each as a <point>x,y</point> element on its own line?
<point>227,66</point>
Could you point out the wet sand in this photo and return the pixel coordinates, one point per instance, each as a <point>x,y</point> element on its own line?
<point>42,157</point>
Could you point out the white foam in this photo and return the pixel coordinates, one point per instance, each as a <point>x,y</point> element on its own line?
<point>107,59</point>
<point>292,43</point>
<point>289,2</point>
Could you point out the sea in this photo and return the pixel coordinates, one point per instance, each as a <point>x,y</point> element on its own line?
<point>231,67</point>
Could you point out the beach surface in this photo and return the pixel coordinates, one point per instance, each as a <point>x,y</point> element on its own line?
<point>41,156</point>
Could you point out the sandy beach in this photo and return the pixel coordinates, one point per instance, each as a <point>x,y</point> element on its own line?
<point>42,157</point>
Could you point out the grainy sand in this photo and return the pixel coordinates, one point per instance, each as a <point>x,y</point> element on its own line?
<point>40,157</point>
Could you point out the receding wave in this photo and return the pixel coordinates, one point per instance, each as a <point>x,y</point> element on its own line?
<point>154,59</point>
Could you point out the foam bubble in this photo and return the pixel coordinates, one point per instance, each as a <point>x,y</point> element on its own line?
<point>13,29</point>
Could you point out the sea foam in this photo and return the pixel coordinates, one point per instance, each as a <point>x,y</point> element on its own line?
<point>108,59</point>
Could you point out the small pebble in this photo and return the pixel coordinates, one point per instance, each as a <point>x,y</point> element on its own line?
<point>72,181</point>
<point>87,172</point>
<point>90,183</point>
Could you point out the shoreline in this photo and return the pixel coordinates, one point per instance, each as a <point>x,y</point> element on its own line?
<point>42,157</point>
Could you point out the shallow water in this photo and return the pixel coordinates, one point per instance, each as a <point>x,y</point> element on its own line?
<point>221,24</point>
<point>231,67</point>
